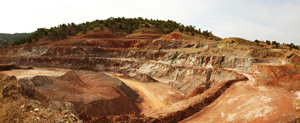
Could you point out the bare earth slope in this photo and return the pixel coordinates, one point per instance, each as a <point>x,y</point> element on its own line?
<point>250,102</point>
<point>93,94</point>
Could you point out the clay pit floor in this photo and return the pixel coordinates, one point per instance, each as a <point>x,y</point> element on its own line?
<point>29,73</point>
<point>155,94</point>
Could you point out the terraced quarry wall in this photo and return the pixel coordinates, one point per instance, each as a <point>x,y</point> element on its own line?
<point>183,71</point>
<point>196,70</point>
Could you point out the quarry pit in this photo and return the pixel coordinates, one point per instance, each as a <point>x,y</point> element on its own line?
<point>148,77</point>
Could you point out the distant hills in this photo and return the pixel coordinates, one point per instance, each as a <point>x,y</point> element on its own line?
<point>7,39</point>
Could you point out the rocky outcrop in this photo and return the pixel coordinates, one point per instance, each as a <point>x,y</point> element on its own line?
<point>21,103</point>
<point>295,59</point>
<point>6,92</point>
<point>26,87</point>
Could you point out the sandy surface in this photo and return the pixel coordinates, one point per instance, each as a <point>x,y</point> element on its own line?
<point>148,97</point>
<point>29,73</point>
<point>155,94</point>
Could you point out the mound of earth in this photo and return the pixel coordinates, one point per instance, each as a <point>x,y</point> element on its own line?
<point>93,94</point>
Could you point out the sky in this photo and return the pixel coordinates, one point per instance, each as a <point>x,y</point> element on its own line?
<point>274,20</point>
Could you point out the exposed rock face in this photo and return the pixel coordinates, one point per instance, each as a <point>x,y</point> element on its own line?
<point>6,90</point>
<point>181,71</point>
<point>286,76</point>
<point>21,103</point>
<point>295,59</point>
<point>26,87</point>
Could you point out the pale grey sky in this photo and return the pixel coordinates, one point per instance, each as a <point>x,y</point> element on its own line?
<point>250,19</point>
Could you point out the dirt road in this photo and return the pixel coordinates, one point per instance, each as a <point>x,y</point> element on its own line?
<point>147,95</point>
<point>29,73</point>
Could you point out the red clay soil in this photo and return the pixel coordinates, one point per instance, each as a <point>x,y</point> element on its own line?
<point>183,109</point>
<point>175,36</point>
<point>294,58</point>
<point>244,102</point>
<point>286,76</point>
<point>93,94</point>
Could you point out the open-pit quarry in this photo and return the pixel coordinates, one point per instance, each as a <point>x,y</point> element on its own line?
<point>147,77</point>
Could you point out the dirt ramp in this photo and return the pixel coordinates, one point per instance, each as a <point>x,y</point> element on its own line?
<point>93,94</point>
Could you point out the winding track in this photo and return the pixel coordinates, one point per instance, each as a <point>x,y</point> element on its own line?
<point>150,98</point>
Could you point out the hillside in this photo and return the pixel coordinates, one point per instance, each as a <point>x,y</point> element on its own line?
<point>120,26</point>
<point>7,39</point>
<point>141,70</point>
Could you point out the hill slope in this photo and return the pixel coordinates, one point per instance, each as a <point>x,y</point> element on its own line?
<point>6,39</point>
<point>120,26</point>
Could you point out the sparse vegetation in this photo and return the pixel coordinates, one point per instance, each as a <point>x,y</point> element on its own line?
<point>268,42</point>
<point>118,25</point>
<point>276,44</point>
<point>292,46</point>
<point>257,42</point>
